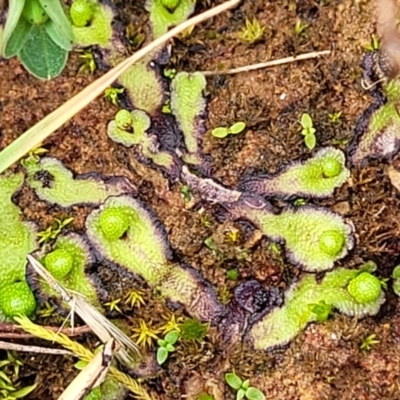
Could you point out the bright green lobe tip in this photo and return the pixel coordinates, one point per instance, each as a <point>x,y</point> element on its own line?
<point>81,12</point>
<point>365,288</point>
<point>17,298</point>
<point>124,119</point>
<point>34,13</point>
<point>114,223</point>
<point>170,4</point>
<point>331,168</point>
<point>59,263</point>
<point>331,242</point>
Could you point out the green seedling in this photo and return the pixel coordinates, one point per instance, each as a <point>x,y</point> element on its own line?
<point>111,94</point>
<point>234,129</point>
<point>373,45</point>
<point>322,310</point>
<point>170,73</point>
<point>88,63</point>
<point>243,388</point>
<point>232,274</point>
<point>186,193</point>
<point>52,232</point>
<point>396,280</point>
<point>308,131</point>
<point>145,335</point>
<point>369,342</point>
<point>300,28</point>
<point>252,32</point>
<point>39,33</point>
<point>166,346</point>
<point>335,117</point>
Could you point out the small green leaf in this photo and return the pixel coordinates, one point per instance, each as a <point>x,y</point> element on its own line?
<point>162,355</point>
<point>172,337</point>
<point>220,132</point>
<point>17,38</point>
<point>14,13</point>
<point>310,141</point>
<point>56,36</point>
<point>254,394</point>
<point>80,365</point>
<point>51,60</point>
<point>246,384</point>
<point>237,128</point>
<point>306,121</point>
<point>170,348</point>
<point>21,393</point>
<point>161,342</point>
<point>233,381</point>
<point>240,394</point>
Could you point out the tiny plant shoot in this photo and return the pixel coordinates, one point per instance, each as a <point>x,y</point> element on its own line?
<point>243,388</point>
<point>232,130</point>
<point>166,346</point>
<point>308,131</point>
<point>38,27</point>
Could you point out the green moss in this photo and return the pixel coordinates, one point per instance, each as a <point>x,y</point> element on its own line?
<point>99,31</point>
<point>192,329</point>
<point>188,106</point>
<point>54,183</point>
<point>281,325</point>
<point>317,177</point>
<point>167,13</point>
<point>314,237</point>
<point>138,136</point>
<point>17,239</point>
<point>75,280</point>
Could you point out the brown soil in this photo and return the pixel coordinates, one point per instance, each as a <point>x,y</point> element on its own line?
<point>325,361</point>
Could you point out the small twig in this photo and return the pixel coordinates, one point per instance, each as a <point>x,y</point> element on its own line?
<point>12,331</point>
<point>267,64</point>
<point>34,349</point>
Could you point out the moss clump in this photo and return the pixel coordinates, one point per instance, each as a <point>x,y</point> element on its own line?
<point>193,329</point>
<point>114,222</point>
<point>59,263</point>
<point>365,288</point>
<point>17,298</point>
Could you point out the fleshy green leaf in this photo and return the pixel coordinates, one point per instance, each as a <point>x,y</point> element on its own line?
<point>233,381</point>
<point>18,38</point>
<point>170,348</point>
<point>172,337</point>
<point>254,394</point>
<point>246,384</point>
<point>41,56</point>
<point>80,365</point>
<point>306,121</point>
<point>162,355</point>
<point>14,13</point>
<point>19,394</point>
<point>237,128</point>
<point>240,394</point>
<point>220,132</point>
<point>310,141</point>
<point>55,11</point>
<point>56,36</point>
